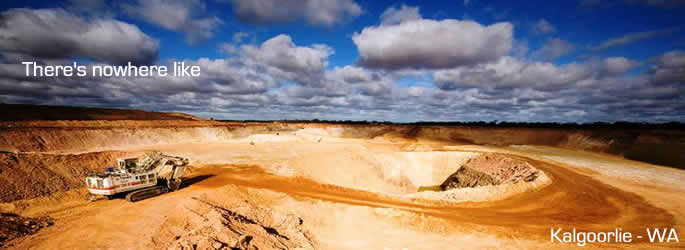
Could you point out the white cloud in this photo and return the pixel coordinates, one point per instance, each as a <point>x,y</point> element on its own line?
<point>670,68</point>
<point>228,48</point>
<point>416,91</point>
<point>509,72</point>
<point>279,79</point>
<point>239,38</point>
<point>177,15</point>
<point>613,66</point>
<point>360,80</point>
<point>57,34</point>
<point>316,12</point>
<point>301,64</point>
<point>520,48</point>
<point>394,15</point>
<point>432,44</point>
<point>575,113</point>
<point>553,49</point>
<point>630,38</point>
<point>247,87</point>
<point>352,74</point>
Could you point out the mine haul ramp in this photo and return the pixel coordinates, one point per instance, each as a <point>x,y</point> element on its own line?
<point>151,175</point>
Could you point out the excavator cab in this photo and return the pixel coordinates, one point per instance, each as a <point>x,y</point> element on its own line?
<point>140,178</point>
<point>128,165</point>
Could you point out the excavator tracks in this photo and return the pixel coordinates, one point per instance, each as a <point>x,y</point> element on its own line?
<point>146,193</point>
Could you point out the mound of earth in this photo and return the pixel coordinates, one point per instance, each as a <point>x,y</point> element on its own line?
<point>14,226</point>
<point>27,175</point>
<point>235,223</point>
<point>490,169</point>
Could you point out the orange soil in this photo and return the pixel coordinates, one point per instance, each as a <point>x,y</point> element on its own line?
<point>578,197</point>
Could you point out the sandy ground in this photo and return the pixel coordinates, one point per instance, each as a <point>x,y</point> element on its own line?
<point>357,194</point>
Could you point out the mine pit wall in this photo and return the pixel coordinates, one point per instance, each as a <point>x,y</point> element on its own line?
<point>59,140</point>
<point>656,146</point>
<point>26,175</point>
<point>78,137</point>
<point>663,147</point>
<point>395,173</point>
<point>53,157</point>
<point>42,158</point>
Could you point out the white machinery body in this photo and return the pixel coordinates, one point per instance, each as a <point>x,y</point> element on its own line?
<point>134,174</point>
<point>120,182</point>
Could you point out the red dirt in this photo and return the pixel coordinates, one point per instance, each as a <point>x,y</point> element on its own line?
<point>25,176</point>
<point>45,162</point>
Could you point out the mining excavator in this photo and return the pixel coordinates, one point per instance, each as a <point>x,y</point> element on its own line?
<point>140,178</point>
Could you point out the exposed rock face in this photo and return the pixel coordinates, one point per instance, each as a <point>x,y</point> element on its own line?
<point>490,169</point>
<point>27,175</point>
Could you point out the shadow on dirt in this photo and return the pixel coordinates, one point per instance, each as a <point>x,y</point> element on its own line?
<point>195,179</point>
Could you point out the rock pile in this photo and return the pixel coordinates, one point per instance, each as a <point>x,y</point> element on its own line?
<point>233,222</point>
<point>490,169</point>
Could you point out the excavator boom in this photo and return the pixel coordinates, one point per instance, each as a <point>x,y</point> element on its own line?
<point>153,174</point>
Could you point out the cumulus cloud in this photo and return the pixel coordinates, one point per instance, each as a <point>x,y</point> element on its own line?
<point>394,15</point>
<point>588,91</point>
<point>352,74</point>
<point>543,26</point>
<point>235,82</point>
<point>57,34</point>
<point>509,72</point>
<point>670,68</point>
<point>360,80</point>
<point>452,43</point>
<point>553,49</point>
<point>243,80</point>
<point>176,15</point>
<point>315,12</point>
<point>280,79</point>
<point>239,38</point>
<point>248,85</point>
<point>613,66</point>
<point>520,48</point>
<point>243,87</point>
<point>228,48</point>
<point>297,63</point>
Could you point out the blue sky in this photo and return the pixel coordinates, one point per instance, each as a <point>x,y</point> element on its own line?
<point>551,56</point>
<point>585,26</point>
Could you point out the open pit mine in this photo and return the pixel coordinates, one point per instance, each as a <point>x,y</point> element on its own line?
<point>277,185</point>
